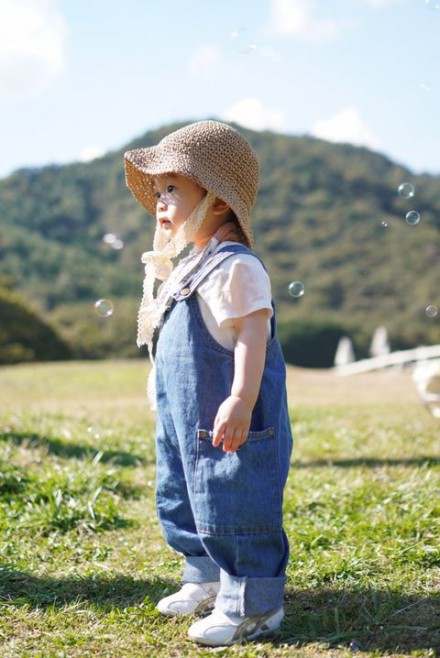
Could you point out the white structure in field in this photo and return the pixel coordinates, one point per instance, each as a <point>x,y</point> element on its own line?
<point>400,358</point>
<point>426,361</point>
<point>344,352</point>
<point>379,344</point>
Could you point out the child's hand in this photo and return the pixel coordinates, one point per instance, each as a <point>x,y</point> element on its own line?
<point>227,233</point>
<point>232,422</point>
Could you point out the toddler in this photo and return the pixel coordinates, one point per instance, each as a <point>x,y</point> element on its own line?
<point>223,437</point>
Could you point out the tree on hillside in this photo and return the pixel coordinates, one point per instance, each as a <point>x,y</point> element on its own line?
<point>24,336</point>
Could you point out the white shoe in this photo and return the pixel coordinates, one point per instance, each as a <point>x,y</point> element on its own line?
<point>191,598</point>
<point>220,629</point>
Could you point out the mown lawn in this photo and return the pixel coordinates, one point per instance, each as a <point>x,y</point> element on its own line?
<point>82,560</point>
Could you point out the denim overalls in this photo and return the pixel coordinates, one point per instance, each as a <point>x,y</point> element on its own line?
<point>223,511</point>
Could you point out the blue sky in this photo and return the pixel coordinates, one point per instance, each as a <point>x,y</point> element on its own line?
<point>82,77</point>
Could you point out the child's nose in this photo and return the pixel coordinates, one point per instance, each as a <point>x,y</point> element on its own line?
<point>161,201</point>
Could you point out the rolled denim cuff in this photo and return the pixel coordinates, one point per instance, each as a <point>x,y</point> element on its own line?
<point>200,569</point>
<point>245,597</point>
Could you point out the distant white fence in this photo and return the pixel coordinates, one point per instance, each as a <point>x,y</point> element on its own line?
<point>388,360</point>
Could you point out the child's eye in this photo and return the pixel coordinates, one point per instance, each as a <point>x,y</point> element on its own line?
<point>163,195</point>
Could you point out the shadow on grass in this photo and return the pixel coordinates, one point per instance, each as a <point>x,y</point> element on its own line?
<point>383,621</point>
<point>19,588</point>
<point>368,462</point>
<point>366,620</point>
<point>61,448</point>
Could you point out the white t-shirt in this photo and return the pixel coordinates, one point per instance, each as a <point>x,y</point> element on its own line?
<point>237,287</point>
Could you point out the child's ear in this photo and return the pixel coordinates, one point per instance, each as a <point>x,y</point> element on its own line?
<point>219,207</point>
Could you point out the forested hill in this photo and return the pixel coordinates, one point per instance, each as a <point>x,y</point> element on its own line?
<point>327,215</point>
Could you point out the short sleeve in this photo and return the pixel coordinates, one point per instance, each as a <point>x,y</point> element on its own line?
<point>238,287</point>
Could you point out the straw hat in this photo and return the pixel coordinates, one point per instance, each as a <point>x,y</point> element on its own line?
<point>213,154</point>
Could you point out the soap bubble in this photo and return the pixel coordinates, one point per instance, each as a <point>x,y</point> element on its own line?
<point>432,4</point>
<point>425,87</point>
<point>296,289</point>
<point>104,308</point>
<point>412,217</point>
<point>406,190</point>
<point>113,241</point>
<point>242,41</point>
<point>384,224</point>
<point>109,238</point>
<point>354,646</point>
<point>93,432</point>
<point>431,311</point>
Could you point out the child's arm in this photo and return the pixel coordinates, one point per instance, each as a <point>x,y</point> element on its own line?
<point>233,419</point>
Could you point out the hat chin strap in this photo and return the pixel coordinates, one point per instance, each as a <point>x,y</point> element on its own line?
<point>158,265</point>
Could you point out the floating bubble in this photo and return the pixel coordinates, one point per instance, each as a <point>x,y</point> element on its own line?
<point>406,190</point>
<point>431,311</point>
<point>242,41</point>
<point>412,217</point>
<point>354,646</point>
<point>296,289</point>
<point>113,241</point>
<point>109,238</point>
<point>384,224</point>
<point>104,308</point>
<point>91,430</point>
<point>432,4</point>
<point>426,88</point>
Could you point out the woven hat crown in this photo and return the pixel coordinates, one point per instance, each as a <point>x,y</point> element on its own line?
<point>213,154</point>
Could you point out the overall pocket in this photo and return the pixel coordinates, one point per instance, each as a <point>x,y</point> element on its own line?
<point>238,493</point>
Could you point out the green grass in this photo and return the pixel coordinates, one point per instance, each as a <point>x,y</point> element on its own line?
<point>83,562</point>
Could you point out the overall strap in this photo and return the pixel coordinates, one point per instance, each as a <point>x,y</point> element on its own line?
<point>190,284</point>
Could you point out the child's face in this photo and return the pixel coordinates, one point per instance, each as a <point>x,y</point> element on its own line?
<point>177,196</point>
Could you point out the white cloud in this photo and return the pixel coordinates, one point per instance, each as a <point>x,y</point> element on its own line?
<point>32,41</point>
<point>346,126</point>
<point>89,153</point>
<point>251,113</point>
<point>290,18</point>
<point>295,18</point>
<point>203,60</point>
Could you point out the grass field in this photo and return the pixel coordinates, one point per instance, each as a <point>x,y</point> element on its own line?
<point>83,562</point>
